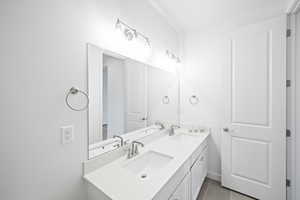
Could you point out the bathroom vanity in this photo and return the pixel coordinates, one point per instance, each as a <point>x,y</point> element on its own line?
<point>168,167</point>
<point>136,149</point>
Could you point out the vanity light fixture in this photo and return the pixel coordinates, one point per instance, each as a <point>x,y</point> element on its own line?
<point>129,32</point>
<point>172,56</point>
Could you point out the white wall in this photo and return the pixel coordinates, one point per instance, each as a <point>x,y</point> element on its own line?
<point>43,54</point>
<point>162,83</point>
<point>204,75</point>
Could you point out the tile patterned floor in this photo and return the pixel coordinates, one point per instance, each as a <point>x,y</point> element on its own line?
<point>212,190</point>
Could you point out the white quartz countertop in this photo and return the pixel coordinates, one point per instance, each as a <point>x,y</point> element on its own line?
<point>119,183</point>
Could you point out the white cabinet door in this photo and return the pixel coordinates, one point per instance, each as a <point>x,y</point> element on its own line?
<point>254,143</point>
<point>198,174</point>
<point>183,190</point>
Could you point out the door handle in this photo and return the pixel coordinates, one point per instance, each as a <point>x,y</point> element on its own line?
<point>144,119</point>
<point>226,130</point>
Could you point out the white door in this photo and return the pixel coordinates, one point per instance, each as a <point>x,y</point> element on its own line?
<point>253,142</point>
<point>136,109</point>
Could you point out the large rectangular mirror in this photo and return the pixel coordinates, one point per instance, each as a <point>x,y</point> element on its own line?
<point>126,97</point>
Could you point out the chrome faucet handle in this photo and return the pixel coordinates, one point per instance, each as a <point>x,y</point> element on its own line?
<point>135,147</point>
<point>172,129</point>
<point>126,142</point>
<point>129,154</point>
<point>133,150</point>
<point>136,150</point>
<point>137,143</point>
<point>121,138</point>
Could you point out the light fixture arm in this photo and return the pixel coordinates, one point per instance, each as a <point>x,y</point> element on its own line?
<point>172,56</point>
<point>136,33</point>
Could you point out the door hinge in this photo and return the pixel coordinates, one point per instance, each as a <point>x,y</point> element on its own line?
<point>288,83</point>
<point>288,33</point>
<point>288,133</point>
<point>288,183</point>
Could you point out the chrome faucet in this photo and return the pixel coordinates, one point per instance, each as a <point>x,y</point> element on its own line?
<point>134,150</point>
<point>121,139</point>
<point>172,129</point>
<point>159,124</point>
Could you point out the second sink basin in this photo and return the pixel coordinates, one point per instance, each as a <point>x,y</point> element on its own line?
<point>147,163</point>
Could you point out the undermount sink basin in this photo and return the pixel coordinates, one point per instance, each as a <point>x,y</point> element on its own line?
<point>147,163</point>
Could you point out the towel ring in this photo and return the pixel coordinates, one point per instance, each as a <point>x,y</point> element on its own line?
<point>74,91</point>
<point>165,100</point>
<point>194,100</point>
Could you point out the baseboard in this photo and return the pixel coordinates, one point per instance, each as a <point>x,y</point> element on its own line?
<point>214,176</point>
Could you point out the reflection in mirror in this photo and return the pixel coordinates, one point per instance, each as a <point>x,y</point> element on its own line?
<point>126,96</point>
<point>113,97</point>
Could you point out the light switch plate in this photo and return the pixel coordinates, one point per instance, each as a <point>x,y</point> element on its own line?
<point>67,134</point>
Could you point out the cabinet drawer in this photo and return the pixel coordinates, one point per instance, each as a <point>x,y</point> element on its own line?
<point>198,151</point>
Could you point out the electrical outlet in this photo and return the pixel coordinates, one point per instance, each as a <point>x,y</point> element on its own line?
<point>67,134</point>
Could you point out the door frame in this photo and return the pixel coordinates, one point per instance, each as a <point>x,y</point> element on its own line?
<point>294,163</point>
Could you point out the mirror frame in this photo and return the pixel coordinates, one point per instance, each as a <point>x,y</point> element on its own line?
<point>95,56</point>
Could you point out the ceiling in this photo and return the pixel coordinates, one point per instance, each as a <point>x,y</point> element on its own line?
<point>202,14</point>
